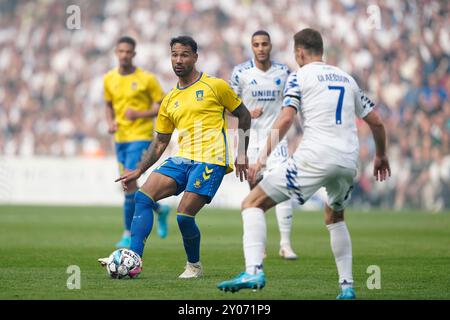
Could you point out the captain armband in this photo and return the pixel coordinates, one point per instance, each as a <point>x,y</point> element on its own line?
<point>291,101</point>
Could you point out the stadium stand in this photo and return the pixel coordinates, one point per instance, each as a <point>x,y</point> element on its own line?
<point>51,84</point>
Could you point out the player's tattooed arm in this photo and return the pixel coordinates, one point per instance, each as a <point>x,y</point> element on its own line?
<point>155,151</point>
<point>245,121</point>
<point>152,155</point>
<point>242,113</point>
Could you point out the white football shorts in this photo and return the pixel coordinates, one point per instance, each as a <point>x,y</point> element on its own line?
<point>301,180</point>
<point>277,157</point>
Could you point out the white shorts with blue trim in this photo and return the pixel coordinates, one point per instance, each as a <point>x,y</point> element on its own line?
<point>277,157</point>
<point>301,180</point>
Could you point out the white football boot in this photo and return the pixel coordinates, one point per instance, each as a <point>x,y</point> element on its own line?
<point>103,261</point>
<point>287,253</point>
<point>193,270</point>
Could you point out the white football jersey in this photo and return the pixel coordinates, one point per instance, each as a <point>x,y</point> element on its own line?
<point>263,89</point>
<point>329,101</point>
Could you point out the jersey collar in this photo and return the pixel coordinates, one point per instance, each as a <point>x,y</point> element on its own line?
<point>126,75</point>
<point>182,88</point>
<point>317,62</point>
<point>265,72</point>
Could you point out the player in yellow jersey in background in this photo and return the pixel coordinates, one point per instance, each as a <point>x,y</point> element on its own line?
<point>196,108</point>
<point>132,97</point>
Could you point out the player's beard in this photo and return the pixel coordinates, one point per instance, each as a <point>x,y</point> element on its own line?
<point>264,60</point>
<point>183,73</point>
<point>126,63</point>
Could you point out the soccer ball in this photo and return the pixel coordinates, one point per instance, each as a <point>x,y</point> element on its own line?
<point>124,263</point>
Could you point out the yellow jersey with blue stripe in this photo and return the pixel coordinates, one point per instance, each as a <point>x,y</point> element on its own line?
<point>138,91</point>
<point>198,113</point>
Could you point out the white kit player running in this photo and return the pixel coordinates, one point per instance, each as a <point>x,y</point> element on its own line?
<point>329,100</point>
<point>260,83</point>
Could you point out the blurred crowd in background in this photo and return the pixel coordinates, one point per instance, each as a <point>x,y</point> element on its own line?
<point>51,95</point>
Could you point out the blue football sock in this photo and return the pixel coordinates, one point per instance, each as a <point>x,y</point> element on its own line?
<point>128,210</point>
<point>142,222</point>
<point>191,237</point>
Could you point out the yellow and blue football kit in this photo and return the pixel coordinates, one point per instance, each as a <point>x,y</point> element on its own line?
<point>137,91</point>
<point>198,113</point>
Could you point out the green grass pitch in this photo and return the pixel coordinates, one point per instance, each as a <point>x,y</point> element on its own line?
<point>38,243</point>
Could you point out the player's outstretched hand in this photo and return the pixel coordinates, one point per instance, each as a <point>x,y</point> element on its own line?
<point>381,169</point>
<point>128,177</point>
<point>112,127</point>
<point>241,165</point>
<point>256,113</point>
<point>253,172</point>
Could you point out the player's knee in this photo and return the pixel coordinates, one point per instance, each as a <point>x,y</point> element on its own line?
<point>246,203</point>
<point>187,209</point>
<point>148,192</point>
<point>250,202</point>
<point>334,217</point>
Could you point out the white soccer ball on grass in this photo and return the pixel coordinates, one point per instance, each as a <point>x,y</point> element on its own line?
<point>124,263</point>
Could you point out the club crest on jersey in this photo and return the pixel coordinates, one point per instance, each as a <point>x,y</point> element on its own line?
<point>176,104</point>
<point>277,81</point>
<point>134,85</point>
<point>199,95</point>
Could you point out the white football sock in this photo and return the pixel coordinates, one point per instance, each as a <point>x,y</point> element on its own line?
<point>254,239</point>
<point>284,218</point>
<point>341,245</point>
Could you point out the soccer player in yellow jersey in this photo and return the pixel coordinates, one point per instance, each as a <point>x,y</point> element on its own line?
<point>196,108</point>
<point>132,97</point>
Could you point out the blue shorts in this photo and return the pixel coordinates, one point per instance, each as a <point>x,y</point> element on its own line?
<point>130,153</point>
<point>196,177</point>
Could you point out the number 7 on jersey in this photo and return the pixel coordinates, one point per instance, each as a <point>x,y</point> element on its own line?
<point>339,104</point>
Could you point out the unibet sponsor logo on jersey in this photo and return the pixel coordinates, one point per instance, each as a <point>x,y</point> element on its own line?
<point>266,95</point>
